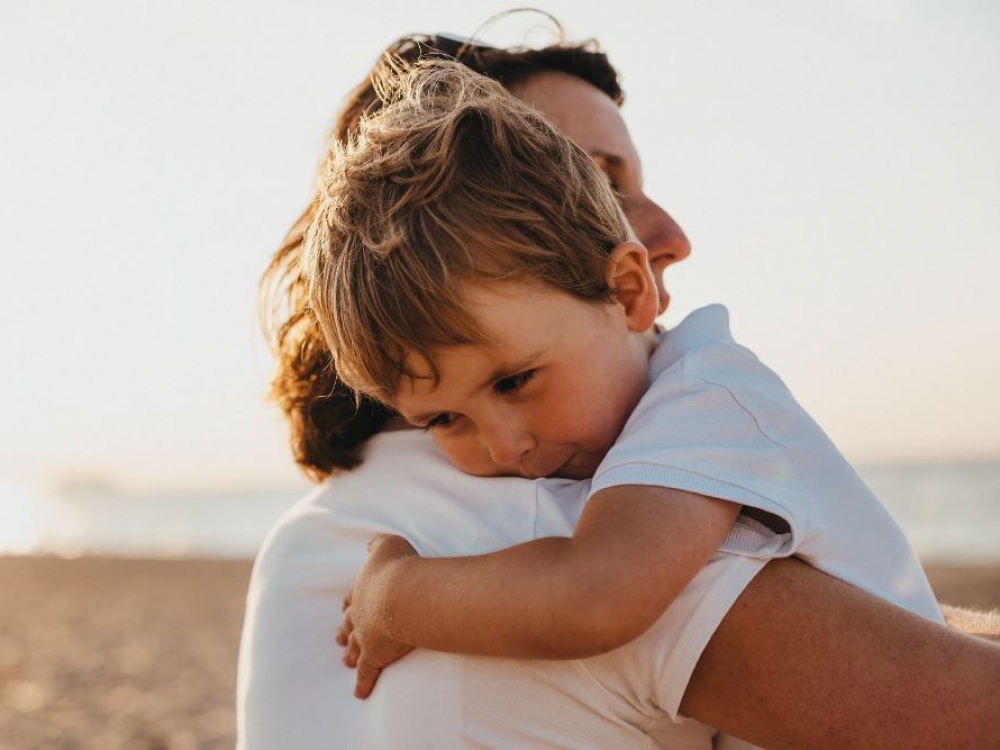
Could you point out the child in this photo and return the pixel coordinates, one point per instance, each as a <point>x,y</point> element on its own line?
<point>471,268</point>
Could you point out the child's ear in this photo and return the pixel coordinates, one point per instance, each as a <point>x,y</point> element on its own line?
<point>629,275</point>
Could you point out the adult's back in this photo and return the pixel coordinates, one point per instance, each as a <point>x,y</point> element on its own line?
<point>294,690</point>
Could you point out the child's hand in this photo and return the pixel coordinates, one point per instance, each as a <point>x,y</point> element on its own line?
<point>365,632</point>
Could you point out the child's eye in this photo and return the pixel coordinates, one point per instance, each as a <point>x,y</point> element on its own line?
<point>513,383</point>
<point>441,420</point>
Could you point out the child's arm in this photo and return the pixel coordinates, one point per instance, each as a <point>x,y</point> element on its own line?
<point>634,549</point>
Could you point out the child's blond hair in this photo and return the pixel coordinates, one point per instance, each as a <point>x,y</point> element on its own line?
<point>454,182</point>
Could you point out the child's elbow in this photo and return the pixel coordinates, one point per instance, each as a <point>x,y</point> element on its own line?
<point>604,622</point>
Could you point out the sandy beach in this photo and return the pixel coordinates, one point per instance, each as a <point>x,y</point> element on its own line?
<point>119,654</point>
<point>141,654</point>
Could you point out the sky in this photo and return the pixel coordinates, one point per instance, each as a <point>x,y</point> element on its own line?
<point>836,165</point>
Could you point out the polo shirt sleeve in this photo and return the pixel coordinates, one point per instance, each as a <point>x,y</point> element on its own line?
<point>702,435</point>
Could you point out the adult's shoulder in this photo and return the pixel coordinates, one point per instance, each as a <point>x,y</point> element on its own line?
<point>289,666</point>
<point>406,486</point>
<point>341,513</point>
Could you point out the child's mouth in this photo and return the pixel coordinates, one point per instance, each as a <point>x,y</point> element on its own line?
<point>555,471</point>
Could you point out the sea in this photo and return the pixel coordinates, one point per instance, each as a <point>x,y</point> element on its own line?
<point>949,512</point>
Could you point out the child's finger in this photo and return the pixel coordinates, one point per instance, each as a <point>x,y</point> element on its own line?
<point>353,652</point>
<point>367,677</point>
<point>345,630</point>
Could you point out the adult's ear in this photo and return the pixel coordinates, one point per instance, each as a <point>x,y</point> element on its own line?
<point>629,275</point>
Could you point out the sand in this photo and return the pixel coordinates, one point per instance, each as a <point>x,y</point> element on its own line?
<point>109,654</point>
<point>141,654</point>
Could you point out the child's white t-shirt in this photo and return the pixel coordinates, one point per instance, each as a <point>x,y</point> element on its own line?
<point>717,422</point>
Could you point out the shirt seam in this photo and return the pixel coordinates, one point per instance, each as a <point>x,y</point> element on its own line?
<point>760,429</point>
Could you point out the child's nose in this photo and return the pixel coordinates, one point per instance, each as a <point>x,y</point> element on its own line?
<point>508,444</point>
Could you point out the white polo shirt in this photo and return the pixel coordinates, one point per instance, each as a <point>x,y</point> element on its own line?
<point>716,421</point>
<point>294,692</point>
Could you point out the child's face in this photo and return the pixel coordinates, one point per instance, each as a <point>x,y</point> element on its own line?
<point>548,396</point>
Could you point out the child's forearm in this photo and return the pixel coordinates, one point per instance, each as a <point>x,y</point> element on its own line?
<point>529,601</point>
<point>634,550</point>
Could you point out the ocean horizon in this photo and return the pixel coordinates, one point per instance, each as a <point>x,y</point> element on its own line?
<point>948,511</point>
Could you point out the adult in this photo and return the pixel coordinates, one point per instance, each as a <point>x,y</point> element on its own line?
<point>774,652</point>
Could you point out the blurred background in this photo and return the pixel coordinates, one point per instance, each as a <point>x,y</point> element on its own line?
<point>835,164</point>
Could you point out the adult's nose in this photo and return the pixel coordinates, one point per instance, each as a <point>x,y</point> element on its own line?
<point>656,229</point>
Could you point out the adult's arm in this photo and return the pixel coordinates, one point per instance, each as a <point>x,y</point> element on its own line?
<point>805,660</point>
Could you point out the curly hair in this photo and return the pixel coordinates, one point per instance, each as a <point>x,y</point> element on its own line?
<point>329,424</point>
